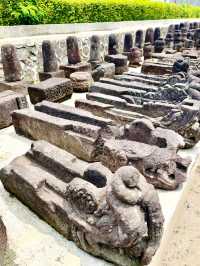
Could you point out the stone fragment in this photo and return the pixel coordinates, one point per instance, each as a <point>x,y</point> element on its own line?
<point>135,57</point>
<point>52,89</point>
<point>149,37</point>
<point>50,63</point>
<point>88,204</point>
<point>128,42</point>
<point>10,101</point>
<point>159,45</point>
<point>81,81</point>
<point>103,70</point>
<point>3,242</point>
<point>147,51</point>
<point>120,62</point>
<point>157,34</point>
<point>156,68</point>
<point>11,65</point>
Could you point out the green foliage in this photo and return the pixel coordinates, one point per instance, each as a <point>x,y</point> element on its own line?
<point>15,12</point>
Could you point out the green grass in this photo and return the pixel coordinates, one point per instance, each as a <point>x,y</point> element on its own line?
<point>80,11</point>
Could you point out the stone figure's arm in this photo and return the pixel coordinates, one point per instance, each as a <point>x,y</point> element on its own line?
<point>155,222</point>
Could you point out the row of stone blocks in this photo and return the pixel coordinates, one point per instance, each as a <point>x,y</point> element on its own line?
<point>95,190</point>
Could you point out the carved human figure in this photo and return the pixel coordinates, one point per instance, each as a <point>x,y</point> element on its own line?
<point>73,50</point>
<point>50,62</point>
<point>11,65</point>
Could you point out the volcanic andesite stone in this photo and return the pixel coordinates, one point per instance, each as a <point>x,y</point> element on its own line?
<point>103,70</point>
<point>11,65</point>
<point>95,50</point>
<point>113,44</point>
<point>10,101</point>
<point>73,53</point>
<point>120,62</point>
<point>147,51</point>
<point>139,38</point>
<point>81,81</point>
<point>128,42</point>
<point>50,63</point>
<point>159,45</point>
<point>88,204</point>
<point>135,57</point>
<point>52,89</point>
<point>149,37</point>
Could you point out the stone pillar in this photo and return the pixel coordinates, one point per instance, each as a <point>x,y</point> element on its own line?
<point>169,40</point>
<point>50,63</point>
<point>139,38</point>
<point>157,34</point>
<point>149,37</point>
<point>128,42</point>
<point>147,50</point>
<point>73,50</point>
<point>95,50</point>
<point>113,44</point>
<point>11,65</point>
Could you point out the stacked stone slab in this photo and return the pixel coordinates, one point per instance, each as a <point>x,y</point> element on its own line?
<point>88,204</point>
<point>52,89</point>
<point>12,70</point>
<point>10,101</point>
<point>100,69</point>
<point>74,59</point>
<point>3,241</point>
<point>120,61</point>
<point>50,62</point>
<point>86,135</point>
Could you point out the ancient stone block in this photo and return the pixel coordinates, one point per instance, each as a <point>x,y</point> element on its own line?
<point>128,42</point>
<point>105,69</point>
<point>120,62</point>
<point>88,204</point>
<point>50,62</point>
<point>135,57</point>
<point>95,50</point>
<point>3,242</point>
<point>113,45</point>
<point>10,101</point>
<point>73,53</point>
<point>147,51</point>
<point>79,67</point>
<point>149,37</point>
<point>157,34</point>
<point>139,38</point>
<point>15,86</point>
<point>150,67</point>
<point>53,89</point>
<point>159,45</point>
<point>81,81</point>
<point>11,65</point>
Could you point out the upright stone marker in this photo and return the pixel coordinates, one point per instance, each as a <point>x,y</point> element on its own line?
<point>156,34</point>
<point>128,42</point>
<point>113,44</point>
<point>149,37</point>
<point>139,38</point>
<point>74,58</point>
<point>50,63</point>
<point>11,65</point>
<point>95,50</point>
<point>12,70</point>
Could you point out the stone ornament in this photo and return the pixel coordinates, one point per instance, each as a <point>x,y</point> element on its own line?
<point>115,216</point>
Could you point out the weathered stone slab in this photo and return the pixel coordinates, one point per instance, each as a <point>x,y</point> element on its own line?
<point>47,75</point>
<point>10,101</point>
<point>161,167</point>
<point>78,138</point>
<point>88,204</point>
<point>15,86</point>
<point>149,67</point>
<point>3,242</point>
<point>120,61</point>
<point>79,67</point>
<point>137,79</point>
<point>81,81</point>
<point>53,89</point>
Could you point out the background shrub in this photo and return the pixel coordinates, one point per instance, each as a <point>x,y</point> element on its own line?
<point>15,12</point>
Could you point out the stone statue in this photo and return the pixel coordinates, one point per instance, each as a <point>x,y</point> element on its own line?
<point>73,50</point>
<point>117,216</point>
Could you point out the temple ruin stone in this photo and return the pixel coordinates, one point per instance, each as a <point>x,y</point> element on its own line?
<point>52,89</point>
<point>50,62</point>
<point>10,101</point>
<point>88,204</point>
<point>81,81</point>
<point>113,44</point>
<point>120,61</point>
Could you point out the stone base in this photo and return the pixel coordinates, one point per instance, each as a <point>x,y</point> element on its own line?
<point>80,67</point>
<point>10,101</point>
<point>52,89</point>
<point>103,70</point>
<point>120,62</point>
<point>46,75</point>
<point>81,81</point>
<point>17,86</point>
